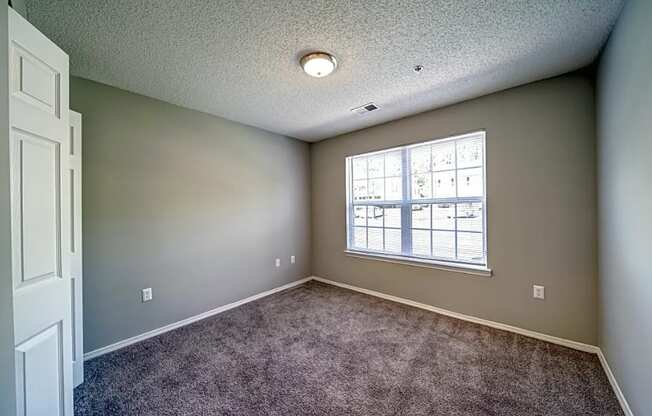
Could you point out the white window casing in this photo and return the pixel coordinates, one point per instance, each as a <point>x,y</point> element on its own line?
<point>422,204</point>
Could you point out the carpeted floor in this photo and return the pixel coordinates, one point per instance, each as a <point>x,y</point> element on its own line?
<point>321,350</point>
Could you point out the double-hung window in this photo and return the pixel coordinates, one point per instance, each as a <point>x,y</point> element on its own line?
<point>424,202</point>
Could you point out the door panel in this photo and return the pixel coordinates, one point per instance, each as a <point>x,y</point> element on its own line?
<point>40,192</point>
<point>35,82</point>
<point>39,361</point>
<point>37,189</point>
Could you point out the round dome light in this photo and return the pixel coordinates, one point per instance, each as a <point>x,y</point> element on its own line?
<point>318,64</point>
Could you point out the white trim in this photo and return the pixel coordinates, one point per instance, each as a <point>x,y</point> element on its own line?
<point>614,385</point>
<point>429,264</point>
<point>526,332</point>
<point>532,334</point>
<point>149,334</point>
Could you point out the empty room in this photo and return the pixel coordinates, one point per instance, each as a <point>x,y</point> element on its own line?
<point>290,207</point>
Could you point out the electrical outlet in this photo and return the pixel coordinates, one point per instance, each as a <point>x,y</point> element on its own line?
<point>278,263</point>
<point>147,294</point>
<point>293,259</point>
<point>538,292</point>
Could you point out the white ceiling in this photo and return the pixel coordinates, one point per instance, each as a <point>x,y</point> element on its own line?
<point>239,59</point>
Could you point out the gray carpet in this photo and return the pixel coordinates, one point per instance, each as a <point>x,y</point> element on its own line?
<point>321,350</point>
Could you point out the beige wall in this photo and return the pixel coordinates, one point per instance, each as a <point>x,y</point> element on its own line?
<point>541,209</point>
<point>194,206</point>
<point>625,204</point>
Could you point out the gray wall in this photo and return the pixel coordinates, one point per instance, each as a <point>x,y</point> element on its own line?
<point>20,7</point>
<point>7,382</point>
<point>192,205</point>
<point>625,203</point>
<point>541,209</point>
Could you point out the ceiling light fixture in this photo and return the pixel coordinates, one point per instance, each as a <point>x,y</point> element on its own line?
<point>318,64</point>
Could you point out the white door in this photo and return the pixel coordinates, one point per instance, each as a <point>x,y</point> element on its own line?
<point>75,177</point>
<point>38,114</point>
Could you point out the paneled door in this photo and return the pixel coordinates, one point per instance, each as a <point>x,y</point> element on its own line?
<point>75,176</point>
<point>40,223</point>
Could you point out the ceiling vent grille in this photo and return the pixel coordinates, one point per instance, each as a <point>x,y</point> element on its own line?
<point>364,109</point>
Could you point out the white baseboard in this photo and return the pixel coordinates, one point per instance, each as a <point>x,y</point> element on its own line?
<point>532,334</point>
<point>170,327</point>
<point>526,332</point>
<point>614,385</point>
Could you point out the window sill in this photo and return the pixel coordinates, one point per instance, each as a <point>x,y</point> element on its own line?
<point>431,264</point>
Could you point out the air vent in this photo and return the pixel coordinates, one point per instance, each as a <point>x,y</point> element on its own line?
<point>364,109</point>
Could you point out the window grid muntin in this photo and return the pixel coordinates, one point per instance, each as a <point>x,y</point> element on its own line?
<point>407,201</point>
<point>368,179</point>
<point>383,227</point>
<point>456,230</point>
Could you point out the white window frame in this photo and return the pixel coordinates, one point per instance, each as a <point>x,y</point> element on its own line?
<point>406,256</point>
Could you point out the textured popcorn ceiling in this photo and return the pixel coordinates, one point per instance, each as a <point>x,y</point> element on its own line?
<point>239,59</point>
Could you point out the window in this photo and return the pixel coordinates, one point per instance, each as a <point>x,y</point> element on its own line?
<point>424,202</point>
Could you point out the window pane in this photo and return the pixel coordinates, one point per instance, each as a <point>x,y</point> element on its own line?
<point>393,164</point>
<point>469,247</point>
<point>374,216</point>
<point>420,159</point>
<point>421,216</point>
<point>360,190</point>
<point>450,172</point>
<point>443,217</point>
<point>470,182</point>
<point>393,189</point>
<point>469,216</point>
<point>421,187</point>
<point>443,244</point>
<point>376,189</point>
<point>444,184</point>
<point>359,168</point>
<point>359,237</point>
<point>376,166</point>
<point>360,215</point>
<point>469,153</point>
<point>393,216</point>
<point>421,243</point>
<point>375,239</point>
<point>393,241</point>
<point>443,156</point>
